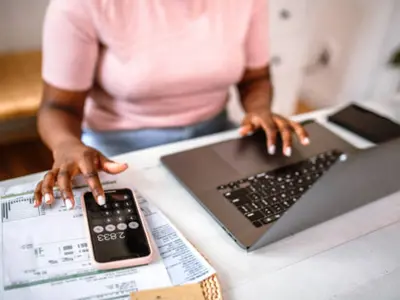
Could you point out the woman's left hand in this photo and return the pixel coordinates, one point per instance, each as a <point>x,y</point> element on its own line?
<point>273,124</point>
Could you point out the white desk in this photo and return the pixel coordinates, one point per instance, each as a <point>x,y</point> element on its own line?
<point>355,256</point>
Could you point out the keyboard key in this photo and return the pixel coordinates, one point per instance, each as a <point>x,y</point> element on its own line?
<point>254,197</point>
<point>268,220</point>
<point>277,208</point>
<point>258,223</point>
<point>127,203</point>
<point>243,209</point>
<point>233,185</point>
<point>255,206</point>
<point>267,211</point>
<point>261,204</point>
<point>266,202</point>
<point>254,216</point>
<point>236,194</point>
<point>286,204</point>
<point>238,202</point>
<point>249,207</point>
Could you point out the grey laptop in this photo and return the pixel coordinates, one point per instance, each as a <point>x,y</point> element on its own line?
<point>259,199</point>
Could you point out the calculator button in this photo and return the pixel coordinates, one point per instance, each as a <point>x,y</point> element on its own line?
<point>107,213</point>
<point>131,218</point>
<point>117,212</point>
<point>106,206</point>
<point>108,220</point>
<point>120,219</point>
<point>128,203</point>
<point>133,225</point>
<point>110,227</point>
<point>116,204</point>
<point>98,229</point>
<point>128,210</point>
<point>122,226</point>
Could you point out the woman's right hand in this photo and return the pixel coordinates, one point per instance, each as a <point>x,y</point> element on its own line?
<point>71,159</point>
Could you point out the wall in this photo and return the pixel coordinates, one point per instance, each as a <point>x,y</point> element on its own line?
<point>21,24</point>
<point>386,80</point>
<point>354,32</point>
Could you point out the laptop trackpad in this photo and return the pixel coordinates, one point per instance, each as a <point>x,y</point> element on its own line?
<point>249,155</point>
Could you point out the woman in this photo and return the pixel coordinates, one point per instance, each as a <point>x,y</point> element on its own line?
<point>124,75</point>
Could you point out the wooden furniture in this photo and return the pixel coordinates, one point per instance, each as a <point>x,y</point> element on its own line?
<point>20,92</point>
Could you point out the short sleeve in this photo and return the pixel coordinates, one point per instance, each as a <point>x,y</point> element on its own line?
<point>70,45</point>
<point>257,39</point>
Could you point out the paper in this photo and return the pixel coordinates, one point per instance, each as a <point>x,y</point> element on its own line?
<point>184,263</point>
<point>45,252</point>
<point>185,292</point>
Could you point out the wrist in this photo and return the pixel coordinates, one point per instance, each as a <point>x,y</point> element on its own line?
<point>258,108</point>
<point>61,145</point>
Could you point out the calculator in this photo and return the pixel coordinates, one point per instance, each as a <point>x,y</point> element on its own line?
<point>117,231</point>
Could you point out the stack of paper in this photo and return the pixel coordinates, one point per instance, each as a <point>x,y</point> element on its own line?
<point>45,254</point>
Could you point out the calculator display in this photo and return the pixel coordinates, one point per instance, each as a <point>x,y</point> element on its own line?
<point>116,230</point>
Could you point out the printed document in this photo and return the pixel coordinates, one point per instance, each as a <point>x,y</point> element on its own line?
<point>45,252</point>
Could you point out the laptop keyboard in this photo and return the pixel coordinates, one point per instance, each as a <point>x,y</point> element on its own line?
<point>264,197</point>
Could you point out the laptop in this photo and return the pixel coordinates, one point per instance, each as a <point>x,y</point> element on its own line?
<point>259,198</point>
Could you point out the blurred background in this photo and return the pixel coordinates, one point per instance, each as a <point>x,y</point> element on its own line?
<point>323,53</point>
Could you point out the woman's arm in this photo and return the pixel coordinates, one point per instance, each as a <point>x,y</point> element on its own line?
<point>60,116</point>
<point>255,89</point>
<point>59,123</point>
<point>256,93</point>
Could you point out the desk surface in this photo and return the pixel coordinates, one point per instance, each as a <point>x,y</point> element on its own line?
<point>355,256</point>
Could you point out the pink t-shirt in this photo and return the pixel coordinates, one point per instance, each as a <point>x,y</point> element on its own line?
<point>152,63</point>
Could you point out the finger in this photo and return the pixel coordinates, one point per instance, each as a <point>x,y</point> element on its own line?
<point>89,170</point>
<point>64,182</point>
<point>110,166</point>
<point>300,132</point>
<point>246,130</point>
<point>47,186</point>
<point>246,127</point>
<point>271,131</point>
<point>38,195</point>
<point>286,134</point>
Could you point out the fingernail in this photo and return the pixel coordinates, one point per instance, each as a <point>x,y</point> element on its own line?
<point>47,198</point>
<point>101,200</point>
<point>288,151</point>
<point>306,141</point>
<point>68,204</point>
<point>271,149</point>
